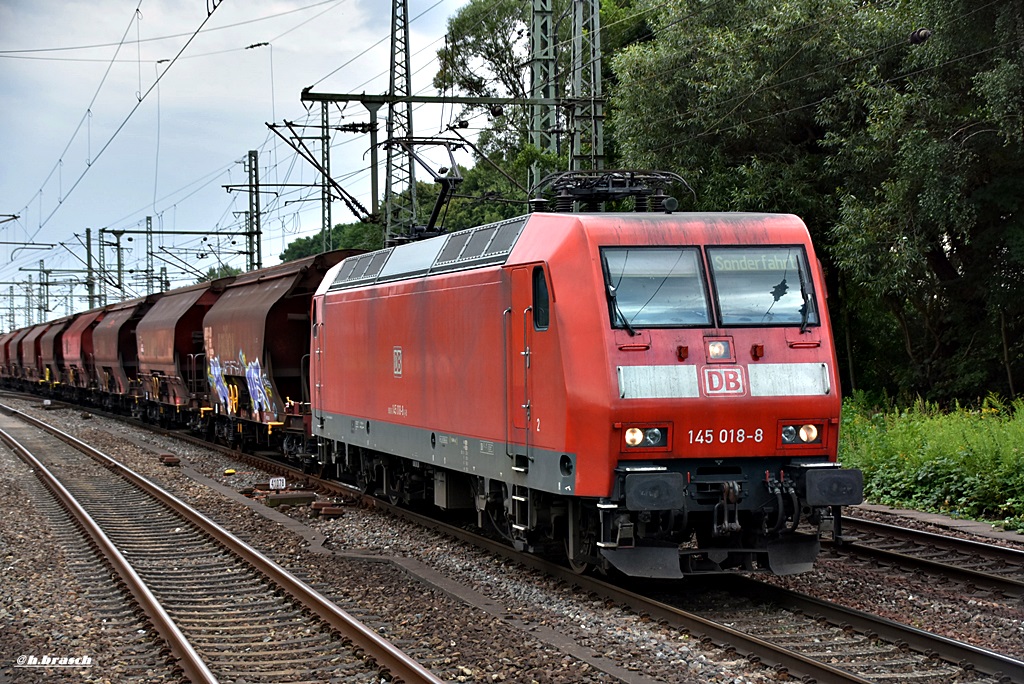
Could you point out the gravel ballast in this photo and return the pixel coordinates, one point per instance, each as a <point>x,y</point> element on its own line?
<point>517,640</point>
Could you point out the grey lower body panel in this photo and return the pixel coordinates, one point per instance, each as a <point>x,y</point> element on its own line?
<point>545,470</point>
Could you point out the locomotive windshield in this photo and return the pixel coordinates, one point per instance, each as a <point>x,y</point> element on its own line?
<point>763,286</point>
<point>655,287</point>
<point>651,287</point>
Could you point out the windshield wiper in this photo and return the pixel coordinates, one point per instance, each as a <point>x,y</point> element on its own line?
<point>618,312</point>
<point>615,302</point>
<point>805,310</point>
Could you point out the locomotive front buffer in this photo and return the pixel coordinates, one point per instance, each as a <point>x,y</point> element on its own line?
<point>667,521</point>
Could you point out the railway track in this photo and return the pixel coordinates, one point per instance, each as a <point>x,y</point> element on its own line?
<point>796,634</point>
<point>867,647</point>
<point>800,636</point>
<point>994,568</point>
<point>224,610</point>
<point>139,651</point>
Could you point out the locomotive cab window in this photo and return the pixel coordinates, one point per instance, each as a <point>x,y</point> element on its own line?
<point>655,287</point>
<point>769,285</point>
<point>541,300</point>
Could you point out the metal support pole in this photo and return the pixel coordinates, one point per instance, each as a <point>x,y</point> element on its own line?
<point>254,230</point>
<point>543,66</point>
<point>325,179</point>
<point>587,98</point>
<point>44,292</point>
<point>400,212</point>
<point>120,261</point>
<point>90,275</point>
<point>103,268</point>
<point>149,255</point>
<point>29,310</point>
<point>374,171</point>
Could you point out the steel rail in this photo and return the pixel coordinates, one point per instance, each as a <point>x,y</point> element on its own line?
<point>1007,585</point>
<point>781,658</point>
<point>772,655</point>
<point>191,663</point>
<point>386,654</point>
<point>911,534</point>
<point>950,650</point>
<point>766,652</point>
<point>796,664</point>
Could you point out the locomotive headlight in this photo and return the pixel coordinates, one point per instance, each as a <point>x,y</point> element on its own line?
<point>808,434</point>
<point>801,434</point>
<point>634,437</point>
<point>646,437</point>
<point>719,349</point>
<point>652,437</point>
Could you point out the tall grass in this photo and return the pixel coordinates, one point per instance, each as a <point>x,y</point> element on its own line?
<point>967,463</point>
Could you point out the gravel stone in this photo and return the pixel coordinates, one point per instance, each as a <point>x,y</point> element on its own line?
<point>461,643</point>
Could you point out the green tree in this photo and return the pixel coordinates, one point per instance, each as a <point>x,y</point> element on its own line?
<point>902,154</point>
<point>357,235</point>
<point>930,161</point>
<point>215,272</point>
<point>487,54</point>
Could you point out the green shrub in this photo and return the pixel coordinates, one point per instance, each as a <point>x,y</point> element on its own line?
<point>962,462</point>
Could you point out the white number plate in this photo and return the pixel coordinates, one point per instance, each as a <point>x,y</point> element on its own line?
<point>726,436</point>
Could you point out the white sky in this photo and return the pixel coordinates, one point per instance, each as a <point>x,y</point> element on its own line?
<point>63,169</point>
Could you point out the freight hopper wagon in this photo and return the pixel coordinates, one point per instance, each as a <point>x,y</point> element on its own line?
<point>51,353</point>
<point>651,392</point>
<point>255,344</point>
<point>172,361</point>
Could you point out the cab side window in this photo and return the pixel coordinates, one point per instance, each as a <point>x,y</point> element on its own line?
<point>541,300</point>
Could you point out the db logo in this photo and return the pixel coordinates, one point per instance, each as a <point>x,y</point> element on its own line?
<point>723,381</point>
<point>398,361</point>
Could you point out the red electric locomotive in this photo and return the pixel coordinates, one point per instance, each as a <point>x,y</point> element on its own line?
<point>653,392</point>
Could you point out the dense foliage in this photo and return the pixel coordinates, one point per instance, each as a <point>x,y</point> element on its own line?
<point>967,464</point>
<point>900,148</point>
<point>893,127</point>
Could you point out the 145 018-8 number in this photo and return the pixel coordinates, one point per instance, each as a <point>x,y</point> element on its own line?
<point>726,436</point>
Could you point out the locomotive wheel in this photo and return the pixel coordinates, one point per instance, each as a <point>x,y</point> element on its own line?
<point>394,485</point>
<point>578,567</point>
<point>366,481</point>
<point>580,564</point>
